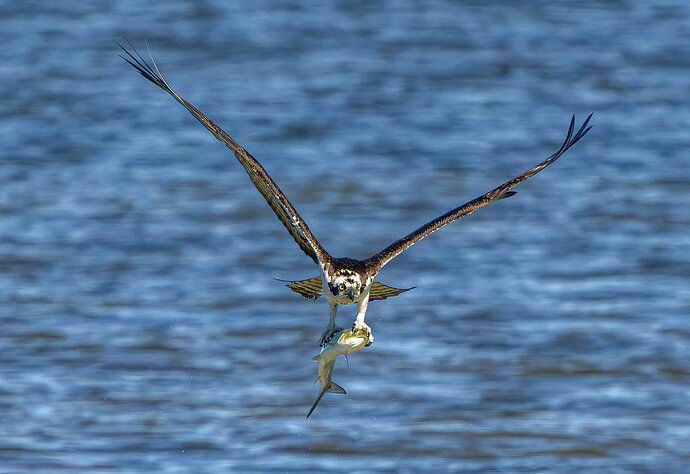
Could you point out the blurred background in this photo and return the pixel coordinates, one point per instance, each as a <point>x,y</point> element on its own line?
<point>142,330</point>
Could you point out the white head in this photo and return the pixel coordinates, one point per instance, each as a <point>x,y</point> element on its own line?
<point>346,286</point>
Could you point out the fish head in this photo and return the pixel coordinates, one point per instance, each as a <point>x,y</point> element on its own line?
<point>352,340</point>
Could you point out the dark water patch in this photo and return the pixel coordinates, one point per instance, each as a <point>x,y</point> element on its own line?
<point>575,452</point>
<point>39,337</point>
<point>329,449</point>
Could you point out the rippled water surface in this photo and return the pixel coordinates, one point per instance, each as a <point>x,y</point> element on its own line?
<point>142,330</point>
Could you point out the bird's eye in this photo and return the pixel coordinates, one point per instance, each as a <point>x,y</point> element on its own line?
<point>341,287</point>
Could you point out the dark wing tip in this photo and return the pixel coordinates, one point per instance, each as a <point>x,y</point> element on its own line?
<point>142,66</point>
<point>584,128</point>
<point>571,129</point>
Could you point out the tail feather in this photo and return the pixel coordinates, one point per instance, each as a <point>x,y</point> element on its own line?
<point>379,291</point>
<point>311,287</point>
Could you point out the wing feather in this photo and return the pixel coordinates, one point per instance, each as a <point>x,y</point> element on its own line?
<point>275,198</point>
<point>503,191</point>
<point>379,291</point>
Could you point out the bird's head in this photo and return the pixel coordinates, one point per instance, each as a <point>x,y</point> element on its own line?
<point>346,287</point>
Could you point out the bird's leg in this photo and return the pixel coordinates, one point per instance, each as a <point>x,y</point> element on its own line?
<point>332,328</point>
<point>359,322</point>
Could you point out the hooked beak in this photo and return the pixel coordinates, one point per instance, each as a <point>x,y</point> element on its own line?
<point>350,294</point>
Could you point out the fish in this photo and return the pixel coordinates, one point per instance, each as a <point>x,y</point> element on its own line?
<point>346,342</point>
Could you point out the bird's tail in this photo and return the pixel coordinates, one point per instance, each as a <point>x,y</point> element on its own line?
<point>311,288</point>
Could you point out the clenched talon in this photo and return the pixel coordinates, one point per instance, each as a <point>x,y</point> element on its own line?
<point>328,335</point>
<point>366,328</point>
<point>371,338</point>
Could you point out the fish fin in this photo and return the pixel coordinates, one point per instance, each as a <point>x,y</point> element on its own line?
<point>310,288</point>
<point>335,388</point>
<point>316,357</point>
<point>347,361</point>
<point>379,291</point>
<point>508,194</point>
<point>318,399</point>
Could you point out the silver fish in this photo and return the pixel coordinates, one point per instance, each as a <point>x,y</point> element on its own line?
<point>346,343</point>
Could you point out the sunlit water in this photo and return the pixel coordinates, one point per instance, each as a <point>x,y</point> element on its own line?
<point>141,328</point>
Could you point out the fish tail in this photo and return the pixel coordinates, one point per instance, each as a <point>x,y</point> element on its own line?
<point>313,407</point>
<point>335,388</point>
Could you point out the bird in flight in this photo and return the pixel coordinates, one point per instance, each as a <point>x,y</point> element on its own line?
<point>343,280</point>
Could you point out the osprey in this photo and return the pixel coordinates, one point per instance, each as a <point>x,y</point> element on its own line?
<point>342,280</point>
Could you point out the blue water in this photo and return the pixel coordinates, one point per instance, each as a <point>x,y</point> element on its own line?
<point>141,329</point>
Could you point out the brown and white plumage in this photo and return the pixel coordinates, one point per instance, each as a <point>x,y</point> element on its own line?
<point>342,280</point>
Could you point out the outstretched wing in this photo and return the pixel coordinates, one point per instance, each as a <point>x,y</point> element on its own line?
<point>503,191</point>
<point>275,198</point>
